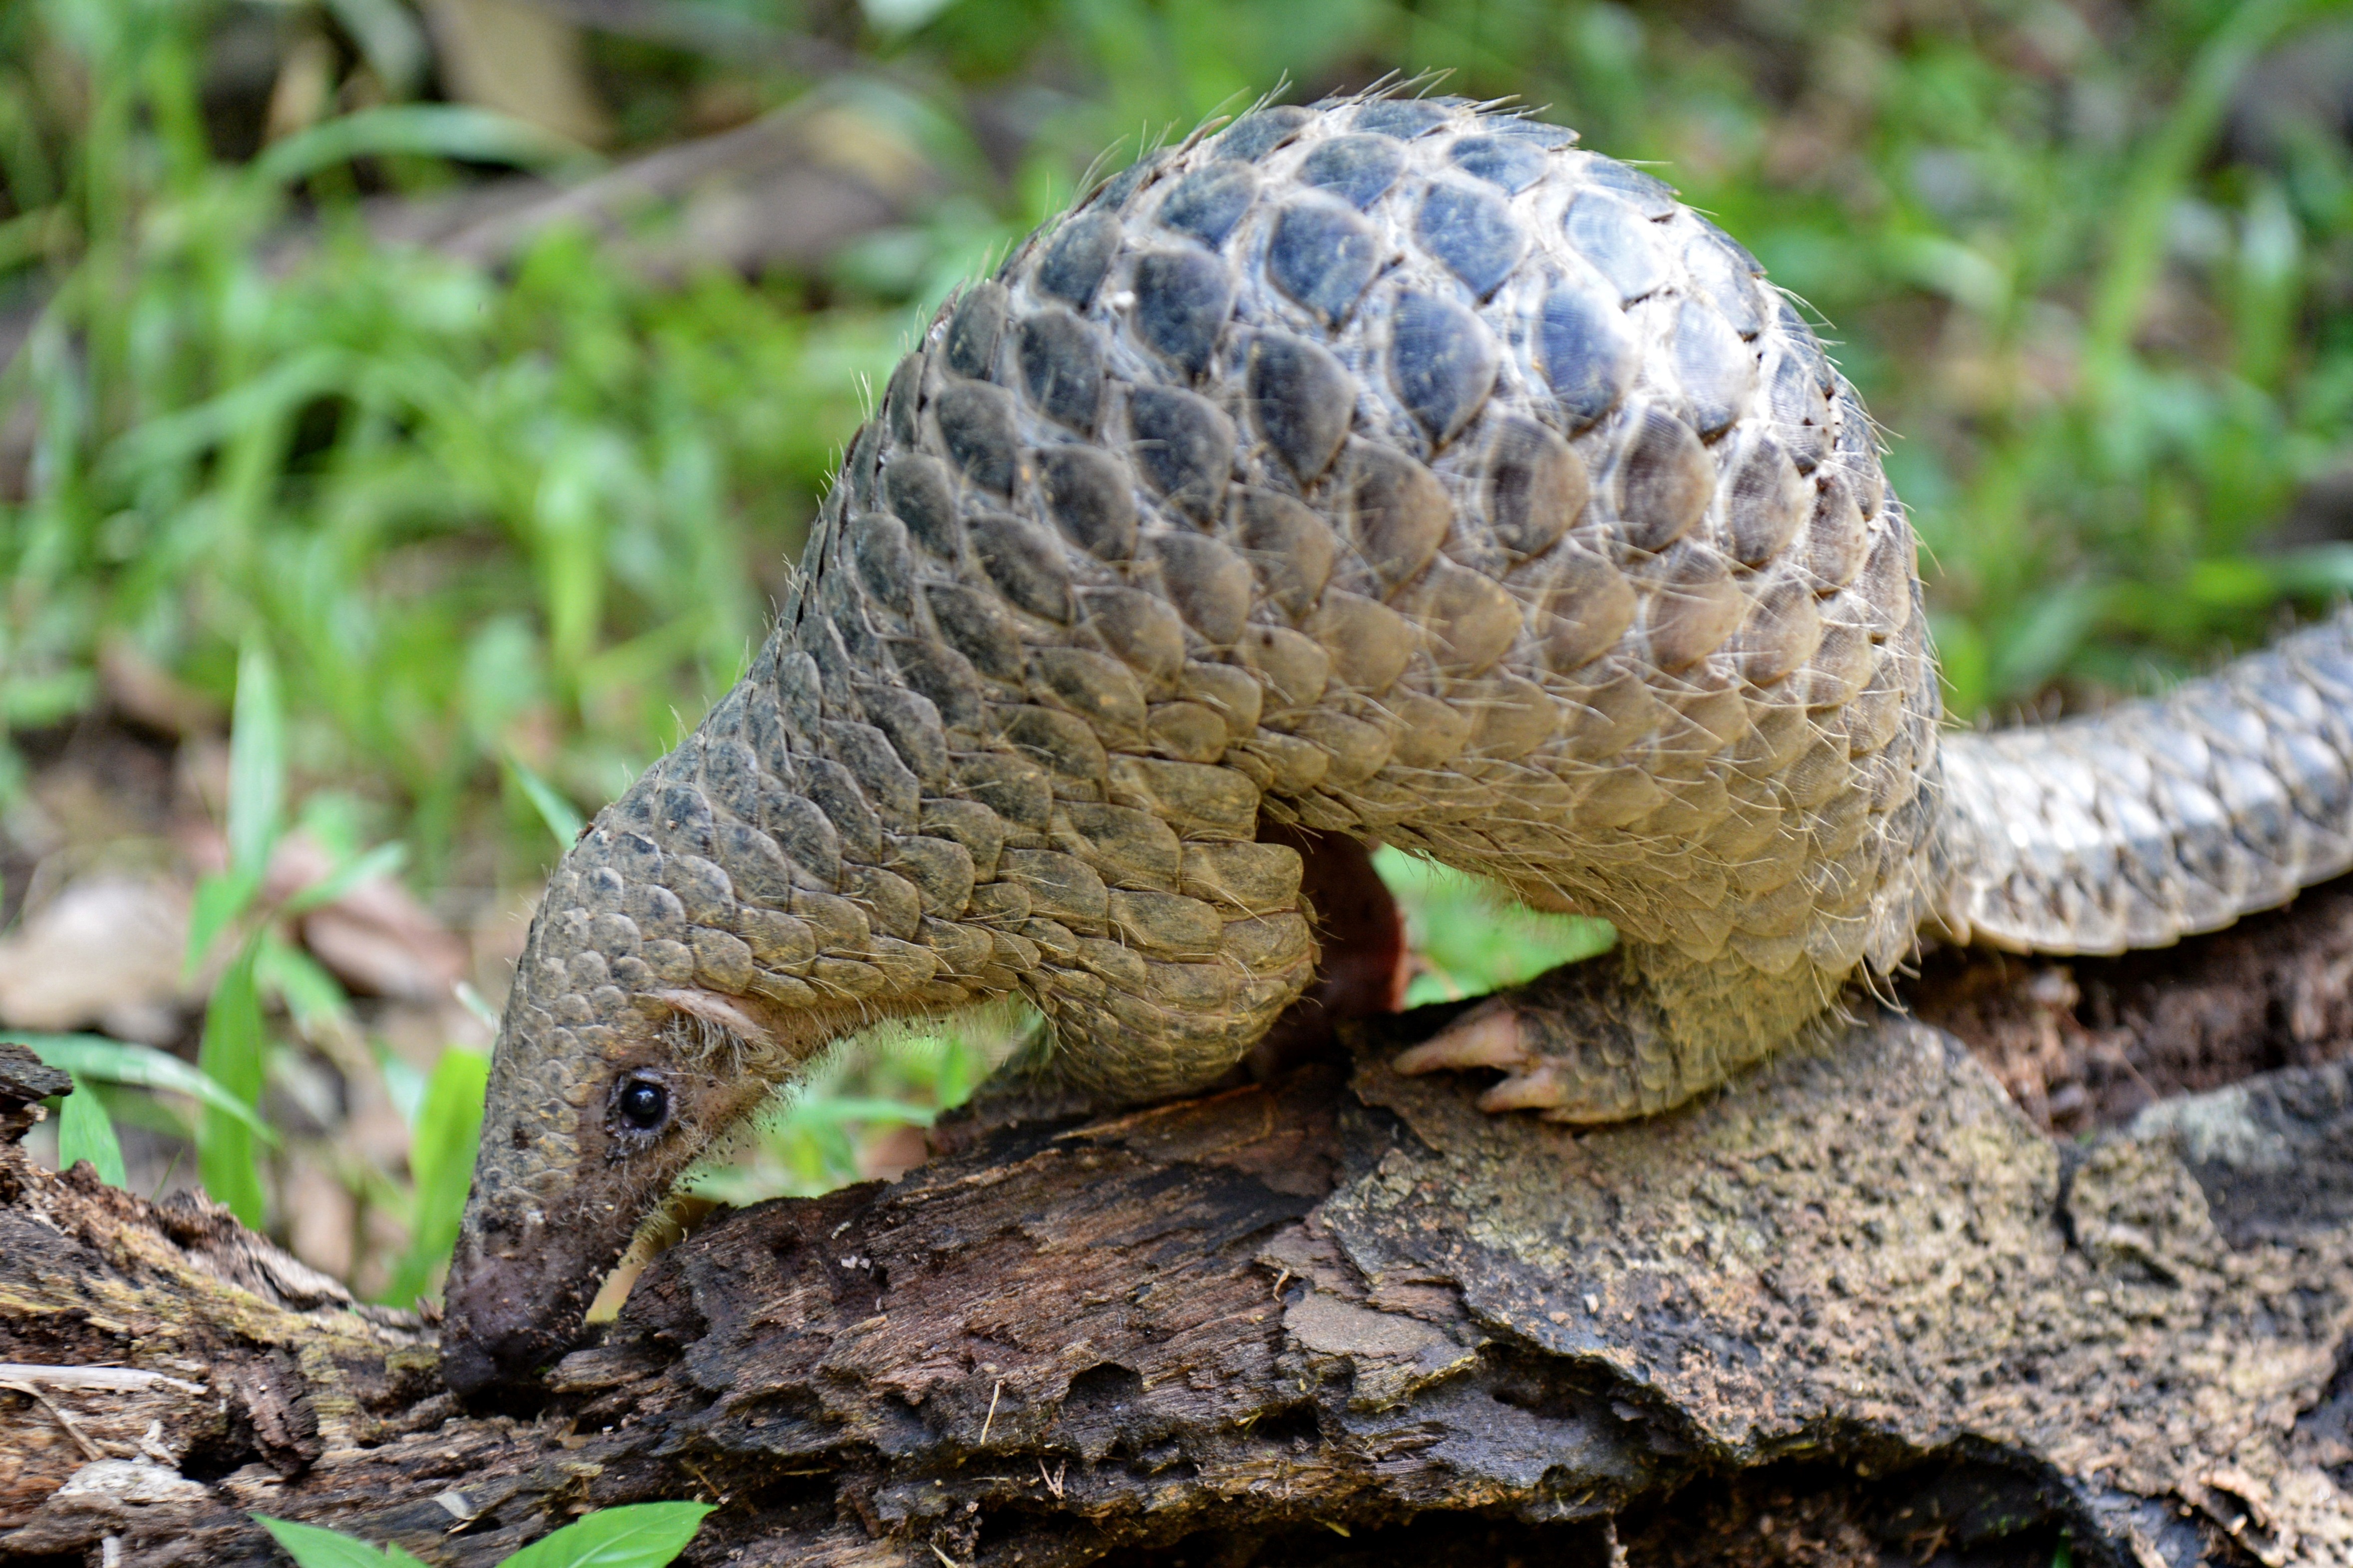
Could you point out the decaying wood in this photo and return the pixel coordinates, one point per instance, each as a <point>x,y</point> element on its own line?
<point>1861,1305</point>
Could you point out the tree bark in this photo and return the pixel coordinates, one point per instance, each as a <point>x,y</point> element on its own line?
<point>1859,1306</point>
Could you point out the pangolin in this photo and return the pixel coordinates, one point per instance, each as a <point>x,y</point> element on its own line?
<point>1390,468</point>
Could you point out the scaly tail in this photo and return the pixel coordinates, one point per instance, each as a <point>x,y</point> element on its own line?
<point>2163,818</point>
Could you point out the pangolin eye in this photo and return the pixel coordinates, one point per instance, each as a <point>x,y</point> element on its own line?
<point>643,1103</point>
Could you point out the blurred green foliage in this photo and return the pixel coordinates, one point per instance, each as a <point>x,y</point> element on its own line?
<point>490,535</point>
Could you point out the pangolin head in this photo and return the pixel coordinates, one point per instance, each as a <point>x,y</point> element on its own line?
<point>618,1061</point>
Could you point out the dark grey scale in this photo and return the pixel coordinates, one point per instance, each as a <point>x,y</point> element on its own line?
<point>1664,480</point>
<point>1322,255</point>
<point>903,399</point>
<point>1024,563</point>
<point>1208,202</point>
<point>1588,353</point>
<point>1303,400</point>
<point>977,427</point>
<point>1535,486</point>
<point>635,857</point>
<point>1618,242</point>
<point>730,777</point>
<point>802,830</point>
<point>1553,137</point>
<point>1088,493</point>
<point>1799,407</point>
<point>1137,626</point>
<point>1008,786</point>
<point>1061,743</point>
<point>1182,299</point>
<point>1208,583</point>
<point>974,331</point>
<point>974,627</point>
<point>1356,168</point>
<point>1646,193</point>
<point>911,723</point>
<point>1716,369</point>
<point>1114,192</point>
<point>1743,259</point>
<point>943,675</point>
<point>759,869</point>
<point>1723,272</point>
<point>1443,361</point>
<point>1080,253</point>
<point>858,467</point>
<point>763,721</point>
<point>1260,132</point>
<point>856,629</point>
<point>879,545</point>
<point>835,790</point>
<point>1800,339</point>
<point>1062,366</point>
<point>1858,445</point>
<point>681,819</point>
<point>918,491</point>
<point>888,784</point>
<point>705,889</point>
<point>1404,118</point>
<point>655,911</point>
<point>1294,549</point>
<point>1183,447</point>
<point>1512,162</point>
<point>797,691</point>
<point>838,672</point>
<point>1765,501</point>
<point>1471,230</point>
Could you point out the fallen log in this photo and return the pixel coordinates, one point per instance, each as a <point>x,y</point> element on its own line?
<point>1863,1304</point>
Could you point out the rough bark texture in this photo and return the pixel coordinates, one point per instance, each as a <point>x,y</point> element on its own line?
<point>1859,1310</point>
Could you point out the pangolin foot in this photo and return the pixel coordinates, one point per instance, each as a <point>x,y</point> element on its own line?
<point>1575,1044</point>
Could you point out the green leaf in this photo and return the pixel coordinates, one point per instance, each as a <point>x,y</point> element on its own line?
<point>232,1054</point>
<point>311,1546</point>
<point>301,983</point>
<point>441,1163</point>
<point>562,818</point>
<point>140,1067</point>
<point>219,902</point>
<point>432,130</point>
<point>257,763</point>
<point>643,1535</point>
<point>381,861</point>
<point>85,1132</point>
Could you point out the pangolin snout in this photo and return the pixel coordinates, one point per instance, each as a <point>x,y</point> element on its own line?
<point>511,1311</point>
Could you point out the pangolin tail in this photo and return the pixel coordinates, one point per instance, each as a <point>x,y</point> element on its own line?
<point>2138,826</point>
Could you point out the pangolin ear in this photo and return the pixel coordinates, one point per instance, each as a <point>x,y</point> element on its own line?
<point>724,1011</point>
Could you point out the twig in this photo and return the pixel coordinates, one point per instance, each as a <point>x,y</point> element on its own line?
<point>89,1450</point>
<point>992,1412</point>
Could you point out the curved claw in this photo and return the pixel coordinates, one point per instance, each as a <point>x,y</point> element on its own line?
<point>1540,1087</point>
<point>1488,1038</point>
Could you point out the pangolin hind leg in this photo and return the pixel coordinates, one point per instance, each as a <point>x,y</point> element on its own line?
<point>1629,1033</point>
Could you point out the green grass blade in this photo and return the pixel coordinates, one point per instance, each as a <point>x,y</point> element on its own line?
<point>441,1162</point>
<point>431,129</point>
<point>381,861</point>
<point>563,819</point>
<point>231,1054</point>
<point>219,902</point>
<point>2163,165</point>
<point>86,1132</point>
<point>257,763</point>
<point>642,1535</point>
<point>139,1067</point>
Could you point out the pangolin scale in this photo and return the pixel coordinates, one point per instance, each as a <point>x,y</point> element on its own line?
<point>1393,469</point>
